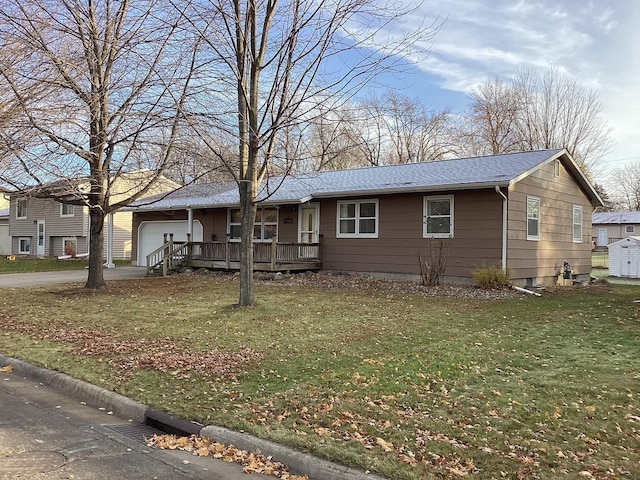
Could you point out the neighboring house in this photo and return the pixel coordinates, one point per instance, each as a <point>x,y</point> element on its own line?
<point>5,239</point>
<point>45,227</point>
<point>609,227</point>
<point>527,212</point>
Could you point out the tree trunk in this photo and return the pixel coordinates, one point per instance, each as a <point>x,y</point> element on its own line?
<point>248,214</point>
<point>95,277</point>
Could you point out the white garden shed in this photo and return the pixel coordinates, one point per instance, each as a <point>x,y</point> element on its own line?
<point>624,258</point>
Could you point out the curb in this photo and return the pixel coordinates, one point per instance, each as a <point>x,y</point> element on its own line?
<point>299,463</point>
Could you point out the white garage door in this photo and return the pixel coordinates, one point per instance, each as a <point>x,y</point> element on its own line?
<point>151,236</point>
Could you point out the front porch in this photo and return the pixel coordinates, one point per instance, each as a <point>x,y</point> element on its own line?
<point>271,256</point>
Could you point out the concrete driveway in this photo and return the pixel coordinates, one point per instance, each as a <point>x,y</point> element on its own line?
<point>16,280</point>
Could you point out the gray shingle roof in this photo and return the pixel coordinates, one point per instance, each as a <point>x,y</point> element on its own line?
<point>456,174</point>
<point>616,218</point>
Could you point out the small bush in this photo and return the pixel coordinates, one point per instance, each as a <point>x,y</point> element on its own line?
<point>490,277</point>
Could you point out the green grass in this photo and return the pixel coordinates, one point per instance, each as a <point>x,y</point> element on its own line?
<point>600,259</point>
<point>409,387</point>
<point>48,264</point>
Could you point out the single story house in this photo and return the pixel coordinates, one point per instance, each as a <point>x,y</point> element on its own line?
<point>41,226</point>
<point>527,213</point>
<point>609,227</point>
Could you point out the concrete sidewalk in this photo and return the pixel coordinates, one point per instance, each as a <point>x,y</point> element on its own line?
<point>17,280</point>
<point>82,393</point>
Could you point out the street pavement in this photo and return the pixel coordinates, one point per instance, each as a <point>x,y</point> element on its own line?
<point>47,434</point>
<point>54,427</point>
<point>16,280</point>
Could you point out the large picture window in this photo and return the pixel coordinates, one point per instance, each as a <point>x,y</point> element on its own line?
<point>265,228</point>
<point>533,218</point>
<point>577,224</point>
<point>358,219</point>
<point>438,217</point>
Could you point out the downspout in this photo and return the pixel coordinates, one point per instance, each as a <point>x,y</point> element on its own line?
<point>190,223</point>
<point>504,228</point>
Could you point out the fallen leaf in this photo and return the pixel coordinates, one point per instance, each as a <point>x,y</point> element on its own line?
<point>386,446</point>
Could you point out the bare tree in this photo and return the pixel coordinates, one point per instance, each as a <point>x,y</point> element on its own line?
<point>409,129</point>
<point>99,86</point>
<point>536,111</point>
<point>494,114</point>
<point>557,112</point>
<point>274,57</point>
<point>626,195</point>
<point>334,140</point>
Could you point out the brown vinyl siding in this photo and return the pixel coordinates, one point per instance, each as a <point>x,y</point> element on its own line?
<point>215,223</point>
<point>477,238</point>
<point>541,261</point>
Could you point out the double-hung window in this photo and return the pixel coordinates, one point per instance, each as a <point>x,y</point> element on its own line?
<point>66,210</point>
<point>577,224</point>
<point>438,217</point>
<point>24,245</point>
<point>533,218</point>
<point>630,229</point>
<point>265,227</point>
<point>358,219</point>
<point>21,208</point>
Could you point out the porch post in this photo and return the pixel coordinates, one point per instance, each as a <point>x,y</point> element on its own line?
<point>226,253</point>
<point>189,221</point>
<point>274,252</point>
<point>110,263</point>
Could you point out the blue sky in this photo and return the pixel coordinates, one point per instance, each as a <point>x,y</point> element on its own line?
<point>595,42</point>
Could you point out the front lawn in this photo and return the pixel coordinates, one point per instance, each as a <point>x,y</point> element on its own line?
<point>47,264</point>
<point>408,386</point>
<point>29,265</point>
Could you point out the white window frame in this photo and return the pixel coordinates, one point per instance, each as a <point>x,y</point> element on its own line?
<point>629,229</point>
<point>537,219</point>
<point>556,168</point>
<point>425,214</point>
<point>20,250</point>
<point>67,214</point>
<point>576,225</point>
<point>262,224</point>
<point>357,218</point>
<point>21,204</point>
<point>73,240</point>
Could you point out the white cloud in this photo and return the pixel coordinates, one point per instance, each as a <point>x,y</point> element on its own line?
<point>595,42</point>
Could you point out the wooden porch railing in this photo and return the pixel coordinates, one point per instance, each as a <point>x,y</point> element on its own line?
<point>272,255</point>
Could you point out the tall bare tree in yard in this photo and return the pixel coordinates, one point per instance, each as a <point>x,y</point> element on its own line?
<point>559,112</point>
<point>99,87</point>
<point>494,114</point>
<point>626,186</point>
<point>280,58</point>
<point>537,111</point>
<point>409,129</point>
